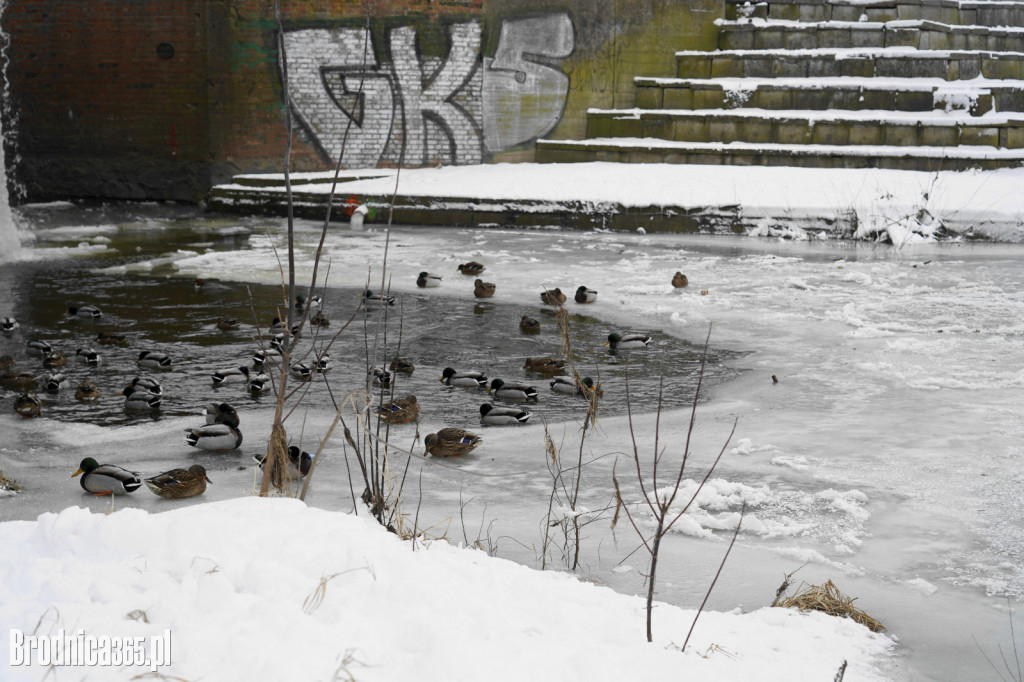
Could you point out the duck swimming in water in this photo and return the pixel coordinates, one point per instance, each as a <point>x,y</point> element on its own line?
<point>466,379</point>
<point>88,356</point>
<point>8,325</point>
<point>512,391</point>
<point>679,280</point>
<point>496,415</point>
<point>86,391</point>
<point>85,312</point>
<point>625,341</point>
<point>235,375</point>
<point>528,325</point>
<point>137,399</point>
<point>153,360</point>
<point>106,479</point>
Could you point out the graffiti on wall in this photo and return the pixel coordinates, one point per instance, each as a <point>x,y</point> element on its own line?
<point>452,110</point>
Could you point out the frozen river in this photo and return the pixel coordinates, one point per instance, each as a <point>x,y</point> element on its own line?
<point>886,457</point>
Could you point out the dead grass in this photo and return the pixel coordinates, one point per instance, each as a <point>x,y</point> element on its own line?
<point>8,483</point>
<point>828,599</point>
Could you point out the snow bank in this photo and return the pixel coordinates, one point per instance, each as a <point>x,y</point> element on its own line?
<point>266,589</point>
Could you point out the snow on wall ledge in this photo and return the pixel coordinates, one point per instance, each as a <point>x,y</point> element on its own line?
<point>874,204</point>
<point>236,583</point>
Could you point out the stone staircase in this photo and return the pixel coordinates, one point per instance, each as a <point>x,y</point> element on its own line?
<point>907,84</point>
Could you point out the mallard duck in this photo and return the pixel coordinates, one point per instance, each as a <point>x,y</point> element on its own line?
<point>259,383</point>
<point>471,268</point>
<point>85,312</point>
<point>224,324</point>
<point>105,339</point>
<point>16,380</point>
<point>86,391</point>
<point>137,399</point>
<point>545,365</point>
<point>494,415</point>
<point>56,382</point>
<point>403,365</point>
<point>625,341</point>
<point>319,320</point>
<point>427,280</point>
<point>450,442</point>
<point>512,391</point>
<point>528,325</point>
<point>153,360</point>
<point>55,359</point>
<point>679,280</point>
<point>234,375</point>
<point>400,410</point>
<point>277,327</point>
<point>37,348</point>
<point>88,356</point>
<point>482,289</point>
<point>219,437</point>
<point>371,300</point>
<point>299,461</point>
<point>469,379</point>
<point>221,413</point>
<point>313,303</point>
<point>552,296</point>
<point>302,371</point>
<point>585,295</point>
<point>380,377</point>
<point>262,357</point>
<point>178,484</point>
<point>568,386</point>
<point>28,405</point>
<point>148,384</point>
<point>106,479</point>
<point>206,285</point>
<point>6,362</point>
<point>324,363</point>
<point>8,325</point>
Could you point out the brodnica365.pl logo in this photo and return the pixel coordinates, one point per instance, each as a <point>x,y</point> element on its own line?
<point>80,649</point>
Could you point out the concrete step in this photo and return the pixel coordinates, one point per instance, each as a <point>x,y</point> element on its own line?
<point>759,126</point>
<point>946,11</point>
<point>851,62</point>
<point>773,34</point>
<point>976,97</point>
<point>648,150</point>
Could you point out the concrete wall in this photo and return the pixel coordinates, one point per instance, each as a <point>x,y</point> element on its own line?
<point>162,98</point>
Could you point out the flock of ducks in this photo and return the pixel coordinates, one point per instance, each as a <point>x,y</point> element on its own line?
<point>143,395</point>
<point>221,430</point>
<point>454,441</point>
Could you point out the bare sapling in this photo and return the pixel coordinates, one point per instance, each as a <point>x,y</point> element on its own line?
<point>659,502</point>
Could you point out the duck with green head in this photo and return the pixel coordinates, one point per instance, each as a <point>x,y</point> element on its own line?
<point>106,479</point>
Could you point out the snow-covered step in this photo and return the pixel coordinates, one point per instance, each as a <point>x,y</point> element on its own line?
<point>653,150</point>
<point>995,13</point>
<point>978,96</point>
<point>859,62</point>
<point>831,127</point>
<point>771,34</point>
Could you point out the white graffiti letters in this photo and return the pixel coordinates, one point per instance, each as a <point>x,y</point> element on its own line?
<point>444,110</point>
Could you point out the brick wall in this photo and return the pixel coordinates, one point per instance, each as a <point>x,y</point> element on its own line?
<point>162,98</point>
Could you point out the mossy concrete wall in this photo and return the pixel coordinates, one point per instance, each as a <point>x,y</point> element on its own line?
<point>164,98</point>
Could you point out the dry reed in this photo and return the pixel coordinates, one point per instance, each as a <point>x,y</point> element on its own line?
<point>828,599</point>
